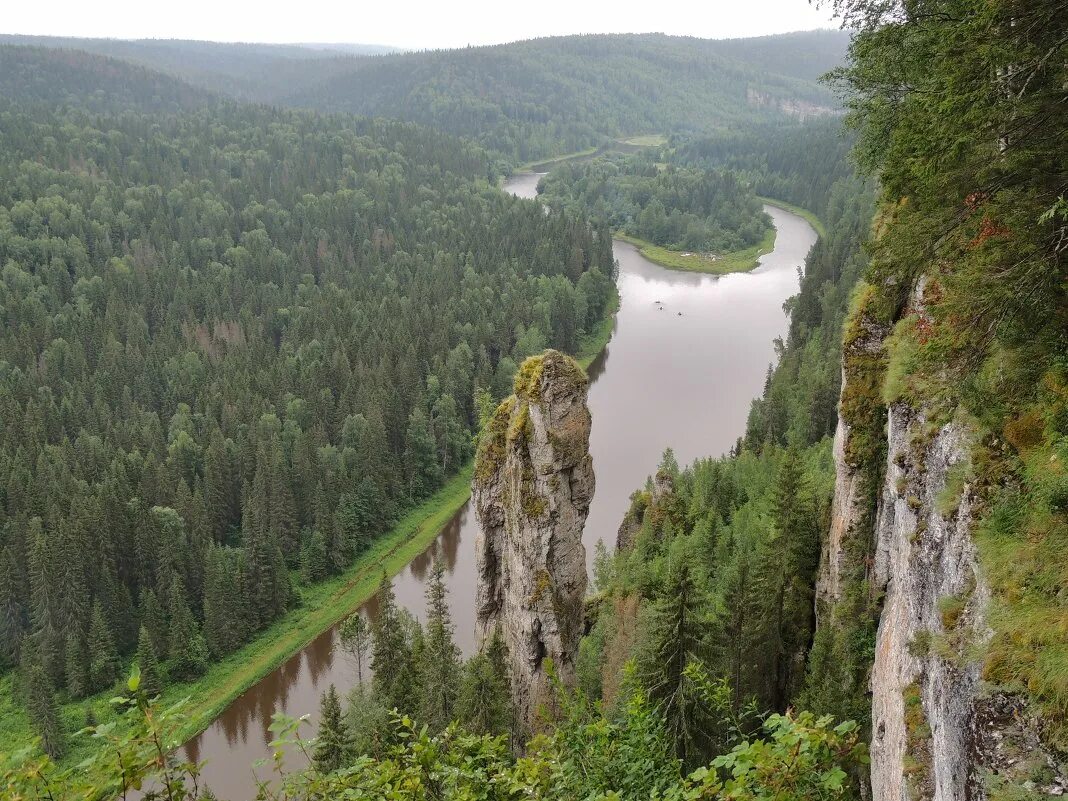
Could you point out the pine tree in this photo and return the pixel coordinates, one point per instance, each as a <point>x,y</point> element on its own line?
<point>333,746</point>
<point>439,664</point>
<point>103,657</point>
<point>151,680</point>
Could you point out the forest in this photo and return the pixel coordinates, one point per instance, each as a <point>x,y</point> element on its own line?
<point>522,101</point>
<point>240,341</point>
<point>678,208</point>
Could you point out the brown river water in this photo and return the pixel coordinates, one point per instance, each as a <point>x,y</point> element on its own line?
<point>681,377</point>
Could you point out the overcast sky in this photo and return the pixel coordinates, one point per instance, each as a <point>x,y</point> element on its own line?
<point>405,23</point>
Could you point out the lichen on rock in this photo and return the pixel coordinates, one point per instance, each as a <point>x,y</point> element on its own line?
<point>532,489</point>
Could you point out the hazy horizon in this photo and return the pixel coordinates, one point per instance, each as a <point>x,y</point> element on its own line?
<point>410,25</point>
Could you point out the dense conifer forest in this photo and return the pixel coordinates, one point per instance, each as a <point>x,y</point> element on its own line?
<point>240,341</point>
<point>678,208</point>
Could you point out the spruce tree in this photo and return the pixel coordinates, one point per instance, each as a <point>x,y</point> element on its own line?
<point>391,652</point>
<point>188,652</point>
<point>484,705</point>
<point>103,657</point>
<point>314,559</point>
<point>77,669</point>
<point>154,620</point>
<point>673,635</point>
<point>439,663</point>
<point>43,711</point>
<point>333,746</point>
<point>151,679</point>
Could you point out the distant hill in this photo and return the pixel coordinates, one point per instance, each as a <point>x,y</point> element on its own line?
<point>547,96</point>
<point>59,78</point>
<point>525,100</point>
<point>255,72</point>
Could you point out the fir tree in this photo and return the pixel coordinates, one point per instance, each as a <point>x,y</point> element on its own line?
<point>314,559</point>
<point>153,619</point>
<point>188,652</point>
<point>151,680</point>
<point>673,637</point>
<point>103,656</point>
<point>333,746</point>
<point>439,663</point>
<point>484,705</point>
<point>43,711</point>
<point>391,652</point>
<point>77,669</point>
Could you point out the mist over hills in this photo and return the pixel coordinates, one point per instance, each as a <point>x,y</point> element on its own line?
<point>524,100</point>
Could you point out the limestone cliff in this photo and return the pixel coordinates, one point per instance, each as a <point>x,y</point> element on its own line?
<point>532,489</point>
<point>938,731</point>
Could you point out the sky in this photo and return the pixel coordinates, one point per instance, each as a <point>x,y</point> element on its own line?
<point>406,23</point>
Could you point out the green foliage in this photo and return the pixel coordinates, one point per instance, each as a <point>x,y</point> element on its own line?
<point>679,208</point>
<point>148,664</point>
<point>333,745</point>
<point>968,152</point>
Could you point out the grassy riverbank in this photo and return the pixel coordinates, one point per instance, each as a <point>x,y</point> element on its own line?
<point>595,341</point>
<point>739,261</point>
<point>544,165</point>
<point>811,218</point>
<point>322,605</point>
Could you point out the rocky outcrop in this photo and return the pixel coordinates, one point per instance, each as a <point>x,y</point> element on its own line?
<point>938,732</point>
<point>924,683</point>
<point>532,489</point>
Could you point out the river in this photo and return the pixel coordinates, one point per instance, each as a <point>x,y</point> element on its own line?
<point>687,355</point>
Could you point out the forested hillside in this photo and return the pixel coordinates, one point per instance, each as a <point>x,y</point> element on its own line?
<point>525,100</point>
<point>238,343</point>
<point>256,72</point>
<point>548,96</point>
<point>72,78</point>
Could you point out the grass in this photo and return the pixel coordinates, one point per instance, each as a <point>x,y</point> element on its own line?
<point>323,605</point>
<point>544,165</point>
<point>595,341</point>
<point>739,261</point>
<point>811,218</point>
<point>647,140</point>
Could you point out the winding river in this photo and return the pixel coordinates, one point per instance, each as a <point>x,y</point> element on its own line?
<point>682,377</point>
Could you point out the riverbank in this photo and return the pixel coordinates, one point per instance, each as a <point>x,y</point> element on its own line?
<point>322,606</point>
<point>740,261</point>
<point>808,216</point>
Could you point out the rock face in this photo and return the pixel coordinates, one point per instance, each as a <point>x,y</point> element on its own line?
<point>923,684</point>
<point>532,489</point>
<point>937,731</point>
